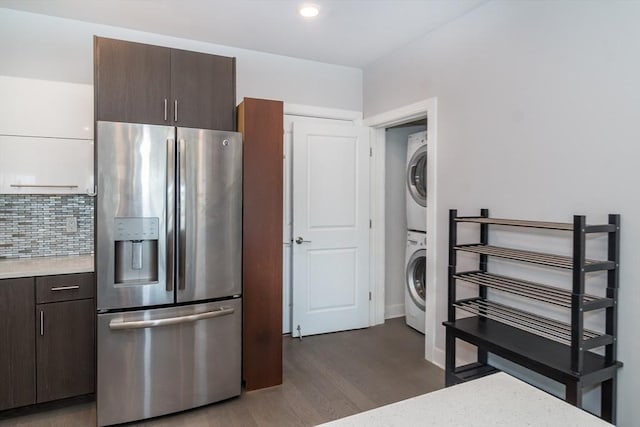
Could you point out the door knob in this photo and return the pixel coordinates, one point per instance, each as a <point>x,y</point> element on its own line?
<point>300,241</point>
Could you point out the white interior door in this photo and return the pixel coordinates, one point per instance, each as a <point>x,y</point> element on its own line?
<point>330,228</point>
<point>287,219</point>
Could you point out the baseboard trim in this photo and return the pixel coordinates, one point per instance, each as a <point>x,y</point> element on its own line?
<point>438,357</point>
<point>393,311</point>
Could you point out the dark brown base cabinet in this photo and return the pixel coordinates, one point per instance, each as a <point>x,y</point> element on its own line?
<point>47,331</point>
<point>17,346</point>
<point>64,349</point>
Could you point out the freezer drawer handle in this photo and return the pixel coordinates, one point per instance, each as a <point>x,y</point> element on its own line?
<point>116,325</point>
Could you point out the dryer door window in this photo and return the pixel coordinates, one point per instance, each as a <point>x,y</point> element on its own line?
<point>416,275</point>
<point>417,176</point>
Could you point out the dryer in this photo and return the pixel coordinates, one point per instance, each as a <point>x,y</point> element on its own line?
<point>417,181</point>
<point>415,279</point>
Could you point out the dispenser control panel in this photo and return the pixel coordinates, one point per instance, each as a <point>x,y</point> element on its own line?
<point>136,228</point>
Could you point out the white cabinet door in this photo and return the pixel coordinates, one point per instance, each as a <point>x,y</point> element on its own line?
<point>45,165</point>
<point>46,137</point>
<point>45,108</point>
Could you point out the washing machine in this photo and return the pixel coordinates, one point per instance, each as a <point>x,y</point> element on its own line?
<point>417,181</point>
<point>415,279</point>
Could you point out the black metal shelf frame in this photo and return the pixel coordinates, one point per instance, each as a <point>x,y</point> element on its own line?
<point>570,340</point>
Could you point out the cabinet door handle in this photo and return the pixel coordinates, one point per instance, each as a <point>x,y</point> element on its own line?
<point>175,110</point>
<point>41,323</point>
<point>165,109</point>
<point>65,288</point>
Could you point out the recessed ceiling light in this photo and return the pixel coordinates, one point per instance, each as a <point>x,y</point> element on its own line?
<point>309,11</point>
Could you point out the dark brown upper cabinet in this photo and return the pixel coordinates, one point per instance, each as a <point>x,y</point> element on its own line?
<point>140,83</point>
<point>132,82</point>
<point>203,90</point>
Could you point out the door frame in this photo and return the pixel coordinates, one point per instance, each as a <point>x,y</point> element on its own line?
<point>322,112</point>
<point>408,113</point>
<point>378,123</point>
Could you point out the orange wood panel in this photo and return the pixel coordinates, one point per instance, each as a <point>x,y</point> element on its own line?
<point>261,123</point>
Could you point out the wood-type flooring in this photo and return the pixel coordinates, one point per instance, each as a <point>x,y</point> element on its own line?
<point>326,377</point>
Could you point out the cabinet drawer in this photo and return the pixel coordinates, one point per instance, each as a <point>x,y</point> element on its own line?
<point>65,287</point>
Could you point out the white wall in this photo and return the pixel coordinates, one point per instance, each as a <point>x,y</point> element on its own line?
<point>396,218</point>
<point>538,112</point>
<point>49,48</point>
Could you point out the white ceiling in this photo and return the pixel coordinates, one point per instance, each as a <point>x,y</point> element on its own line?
<point>347,32</point>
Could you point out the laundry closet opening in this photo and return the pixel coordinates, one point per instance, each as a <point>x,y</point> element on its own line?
<point>405,222</point>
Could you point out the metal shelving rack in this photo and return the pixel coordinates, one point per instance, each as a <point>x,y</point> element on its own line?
<point>561,351</point>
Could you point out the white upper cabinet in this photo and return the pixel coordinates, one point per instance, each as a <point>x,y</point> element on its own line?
<point>46,137</point>
<point>46,108</point>
<point>31,165</point>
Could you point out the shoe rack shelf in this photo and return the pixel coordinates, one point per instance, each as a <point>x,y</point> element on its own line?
<point>559,350</point>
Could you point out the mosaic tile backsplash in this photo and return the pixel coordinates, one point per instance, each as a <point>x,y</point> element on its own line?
<point>35,225</point>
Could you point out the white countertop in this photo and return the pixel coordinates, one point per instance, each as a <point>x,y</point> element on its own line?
<point>498,400</point>
<point>45,266</point>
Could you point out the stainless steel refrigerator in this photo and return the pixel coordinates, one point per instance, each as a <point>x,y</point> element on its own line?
<point>168,263</point>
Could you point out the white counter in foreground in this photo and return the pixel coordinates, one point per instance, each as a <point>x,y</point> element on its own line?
<point>498,400</point>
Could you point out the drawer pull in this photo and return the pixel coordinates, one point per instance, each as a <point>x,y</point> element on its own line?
<point>41,323</point>
<point>65,288</point>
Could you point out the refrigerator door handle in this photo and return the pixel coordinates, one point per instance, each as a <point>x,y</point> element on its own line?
<point>119,325</point>
<point>182,229</point>
<point>170,212</point>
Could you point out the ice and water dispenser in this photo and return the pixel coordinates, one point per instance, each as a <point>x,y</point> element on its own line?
<point>136,250</point>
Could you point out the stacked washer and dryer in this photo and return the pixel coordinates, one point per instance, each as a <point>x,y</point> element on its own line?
<point>416,253</point>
